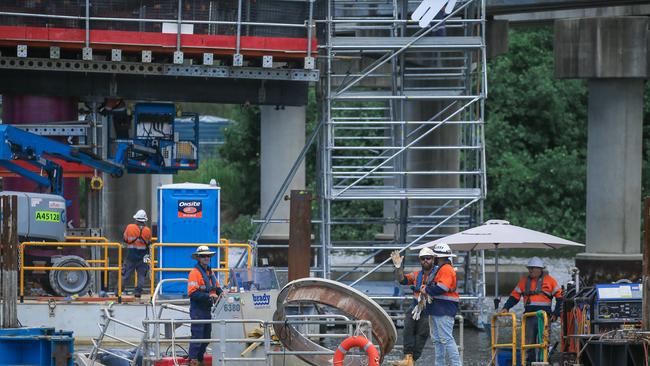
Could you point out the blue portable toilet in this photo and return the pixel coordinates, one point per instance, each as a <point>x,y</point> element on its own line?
<point>187,213</point>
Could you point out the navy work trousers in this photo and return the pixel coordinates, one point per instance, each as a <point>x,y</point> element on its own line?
<point>199,331</point>
<point>131,265</point>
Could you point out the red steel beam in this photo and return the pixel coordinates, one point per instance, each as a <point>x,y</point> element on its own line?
<point>156,42</point>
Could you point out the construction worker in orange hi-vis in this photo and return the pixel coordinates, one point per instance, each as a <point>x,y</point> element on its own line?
<point>137,238</point>
<point>537,289</point>
<point>204,290</point>
<point>416,326</point>
<point>443,306</point>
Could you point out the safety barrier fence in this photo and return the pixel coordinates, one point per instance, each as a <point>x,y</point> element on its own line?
<point>153,338</point>
<point>495,336</point>
<point>542,343</point>
<point>222,342</point>
<point>542,339</point>
<point>224,264</point>
<point>104,262</point>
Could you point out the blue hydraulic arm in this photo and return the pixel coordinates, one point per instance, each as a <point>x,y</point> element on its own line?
<point>16,144</point>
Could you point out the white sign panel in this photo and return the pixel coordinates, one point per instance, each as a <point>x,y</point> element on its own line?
<point>428,9</point>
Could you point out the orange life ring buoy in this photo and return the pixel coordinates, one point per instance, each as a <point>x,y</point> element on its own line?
<point>359,342</point>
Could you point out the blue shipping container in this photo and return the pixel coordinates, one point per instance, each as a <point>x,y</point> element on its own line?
<point>36,346</point>
<point>187,213</point>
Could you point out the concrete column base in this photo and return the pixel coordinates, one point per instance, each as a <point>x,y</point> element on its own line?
<point>605,268</point>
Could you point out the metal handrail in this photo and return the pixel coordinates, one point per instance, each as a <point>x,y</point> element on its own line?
<point>222,340</point>
<point>401,149</point>
<point>156,292</point>
<point>389,56</point>
<point>495,335</point>
<point>307,24</point>
<point>104,268</point>
<point>414,242</point>
<point>543,345</point>
<point>461,335</point>
<point>225,244</point>
<point>97,343</point>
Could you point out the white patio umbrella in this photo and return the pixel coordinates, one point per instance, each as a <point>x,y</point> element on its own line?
<point>495,234</point>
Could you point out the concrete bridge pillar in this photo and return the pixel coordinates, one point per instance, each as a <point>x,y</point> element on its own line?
<point>611,54</point>
<point>122,198</point>
<point>282,139</point>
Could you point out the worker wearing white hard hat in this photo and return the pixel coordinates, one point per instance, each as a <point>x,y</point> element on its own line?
<point>137,239</point>
<point>204,290</point>
<point>416,326</point>
<point>443,307</point>
<point>538,289</point>
<point>535,262</point>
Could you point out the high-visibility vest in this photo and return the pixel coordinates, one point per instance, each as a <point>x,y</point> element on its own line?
<point>416,279</point>
<point>445,278</point>
<point>137,236</point>
<point>201,280</point>
<point>537,291</point>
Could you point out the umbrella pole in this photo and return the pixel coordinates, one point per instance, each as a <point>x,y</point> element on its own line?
<point>496,278</point>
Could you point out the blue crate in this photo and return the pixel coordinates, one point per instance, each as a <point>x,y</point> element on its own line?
<point>188,213</point>
<point>36,346</point>
<point>504,357</point>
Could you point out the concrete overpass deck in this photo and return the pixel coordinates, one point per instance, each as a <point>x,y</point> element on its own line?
<point>501,7</point>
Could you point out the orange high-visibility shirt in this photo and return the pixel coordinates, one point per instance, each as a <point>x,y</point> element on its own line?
<point>446,280</point>
<point>412,279</point>
<point>549,288</point>
<point>136,238</point>
<point>196,282</point>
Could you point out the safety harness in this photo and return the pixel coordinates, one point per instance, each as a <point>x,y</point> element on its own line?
<point>420,279</point>
<point>208,280</point>
<point>527,293</point>
<point>139,237</point>
<point>432,276</point>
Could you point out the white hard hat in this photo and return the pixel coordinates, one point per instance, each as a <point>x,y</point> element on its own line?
<point>536,262</point>
<point>442,251</point>
<point>425,252</point>
<point>141,216</point>
<point>202,250</point>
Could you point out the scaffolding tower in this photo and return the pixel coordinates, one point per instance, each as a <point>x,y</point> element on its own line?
<point>401,149</point>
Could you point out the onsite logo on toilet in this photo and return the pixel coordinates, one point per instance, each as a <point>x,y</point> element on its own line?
<point>190,208</point>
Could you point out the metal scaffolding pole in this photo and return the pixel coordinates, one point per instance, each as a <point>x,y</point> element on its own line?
<point>425,167</point>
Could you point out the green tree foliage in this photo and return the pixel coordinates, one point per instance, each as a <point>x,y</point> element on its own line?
<point>536,139</point>
<point>236,168</point>
<point>536,143</point>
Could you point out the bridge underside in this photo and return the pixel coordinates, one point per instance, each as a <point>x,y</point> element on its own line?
<point>501,7</point>
<point>145,87</point>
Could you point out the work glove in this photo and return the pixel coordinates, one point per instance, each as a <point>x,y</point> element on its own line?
<point>397,259</point>
<point>419,307</point>
<point>428,9</point>
<point>423,293</point>
<point>146,259</point>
